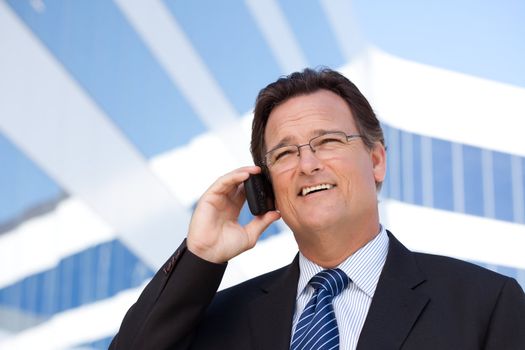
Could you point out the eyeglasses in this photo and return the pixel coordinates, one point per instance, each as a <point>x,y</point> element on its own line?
<point>286,157</point>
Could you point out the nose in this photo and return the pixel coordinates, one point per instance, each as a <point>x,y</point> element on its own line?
<point>308,161</point>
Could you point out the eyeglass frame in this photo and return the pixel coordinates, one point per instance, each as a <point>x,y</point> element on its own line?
<point>348,139</point>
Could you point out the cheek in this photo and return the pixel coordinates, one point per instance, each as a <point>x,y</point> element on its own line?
<point>356,179</point>
<point>280,187</point>
<point>348,187</point>
<point>284,197</point>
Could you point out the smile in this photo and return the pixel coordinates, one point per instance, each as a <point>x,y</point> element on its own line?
<point>307,190</point>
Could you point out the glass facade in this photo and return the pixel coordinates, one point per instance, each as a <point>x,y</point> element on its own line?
<point>103,52</point>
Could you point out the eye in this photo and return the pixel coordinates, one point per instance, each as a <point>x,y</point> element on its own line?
<point>330,140</point>
<point>283,153</point>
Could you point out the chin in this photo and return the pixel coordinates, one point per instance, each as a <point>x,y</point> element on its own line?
<point>324,211</point>
<point>320,220</point>
<point>314,217</point>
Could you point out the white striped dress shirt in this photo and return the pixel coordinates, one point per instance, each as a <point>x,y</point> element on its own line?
<point>351,306</point>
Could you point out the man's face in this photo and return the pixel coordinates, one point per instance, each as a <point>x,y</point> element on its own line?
<point>350,172</point>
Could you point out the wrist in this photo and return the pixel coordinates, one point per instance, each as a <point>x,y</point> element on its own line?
<point>205,253</point>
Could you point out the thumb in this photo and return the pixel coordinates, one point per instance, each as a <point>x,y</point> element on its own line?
<point>256,227</point>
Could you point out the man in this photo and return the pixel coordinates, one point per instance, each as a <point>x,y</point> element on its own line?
<point>352,285</point>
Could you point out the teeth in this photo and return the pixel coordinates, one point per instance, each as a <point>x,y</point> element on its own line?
<point>307,190</point>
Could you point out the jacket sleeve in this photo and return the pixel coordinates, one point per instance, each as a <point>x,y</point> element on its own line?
<point>169,309</point>
<point>507,324</point>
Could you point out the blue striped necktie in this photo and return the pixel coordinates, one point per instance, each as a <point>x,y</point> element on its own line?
<point>317,326</point>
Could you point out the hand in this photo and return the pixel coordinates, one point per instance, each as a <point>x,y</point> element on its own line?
<point>214,233</point>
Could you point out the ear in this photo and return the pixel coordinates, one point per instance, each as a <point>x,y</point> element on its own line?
<point>378,156</point>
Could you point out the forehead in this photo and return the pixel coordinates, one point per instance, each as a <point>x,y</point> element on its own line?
<point>304,116</point>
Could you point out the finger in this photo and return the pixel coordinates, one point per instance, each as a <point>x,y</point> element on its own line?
<point>240,196</point>
<point>256,227</point>
<point>229,182</point>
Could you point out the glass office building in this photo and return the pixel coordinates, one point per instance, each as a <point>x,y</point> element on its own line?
<point>116,115</point>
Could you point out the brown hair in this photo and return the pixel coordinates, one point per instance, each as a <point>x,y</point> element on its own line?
<point>306,82</point>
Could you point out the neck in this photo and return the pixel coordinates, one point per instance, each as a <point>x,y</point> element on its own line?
<point>330,248</point>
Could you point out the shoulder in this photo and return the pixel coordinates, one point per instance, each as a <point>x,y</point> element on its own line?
<point>455,271</point>
<point>466,281</point>
<point>447,267</point>
<point>445,276</point>
<point>442,268</point>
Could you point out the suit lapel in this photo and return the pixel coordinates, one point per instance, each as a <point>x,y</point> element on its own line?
<point>396,304</point>
<point>272,312</point>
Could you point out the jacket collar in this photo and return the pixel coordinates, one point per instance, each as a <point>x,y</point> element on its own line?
<point>397,303</point>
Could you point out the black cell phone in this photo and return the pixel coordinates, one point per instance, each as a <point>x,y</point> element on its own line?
<point>259,194</point>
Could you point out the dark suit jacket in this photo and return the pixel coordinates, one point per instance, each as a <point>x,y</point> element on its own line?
<point>421,302</point>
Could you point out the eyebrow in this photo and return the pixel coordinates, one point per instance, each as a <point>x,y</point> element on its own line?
<point>286,141</point>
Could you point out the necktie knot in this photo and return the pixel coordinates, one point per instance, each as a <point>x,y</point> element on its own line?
<point>334,281</point>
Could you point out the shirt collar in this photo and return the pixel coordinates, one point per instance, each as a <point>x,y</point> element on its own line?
<point>363,267</point>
